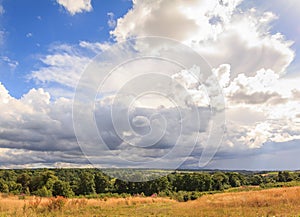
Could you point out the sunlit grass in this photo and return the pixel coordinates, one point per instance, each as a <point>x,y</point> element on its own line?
<point>270,202</point>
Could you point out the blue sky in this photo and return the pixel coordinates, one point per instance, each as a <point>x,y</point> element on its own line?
<point>31,27</point>
<point>47,46</point>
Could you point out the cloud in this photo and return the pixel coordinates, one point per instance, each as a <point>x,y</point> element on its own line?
<point>29,35</point>
<point>59,70</point>
<point>272,156</point>
<point>76,6</point>
<point>296,94</point>
<point>256,98</point>
<point>152,132</point>
<point>111,21</point>
<point>250,62</point>
<point>11,63</point>
<point>260,109</point>
<point>158,19</point>
<point>2,35</point>
<point>95,47</point>
<point>245,116</point>
<point>34,123</point>
<point>63,66</point>
<point>264,88</point>
<point>22,158</point>
<point>35,129</point>
<point>237,37</point>
<point>26,123</point>
<point>223,74</point>
<point>245,56</point>
<point>2,11</point>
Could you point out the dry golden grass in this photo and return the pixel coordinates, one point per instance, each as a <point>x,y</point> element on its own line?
<point>271,202</point>
<point>8,204</point>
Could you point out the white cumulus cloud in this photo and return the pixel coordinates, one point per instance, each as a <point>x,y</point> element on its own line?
<point>76,6</point>
<point>249,60</point>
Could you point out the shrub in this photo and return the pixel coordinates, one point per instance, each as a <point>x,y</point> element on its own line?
<point>186,197</point>
<point>183,196</point>
<point>43,192</point>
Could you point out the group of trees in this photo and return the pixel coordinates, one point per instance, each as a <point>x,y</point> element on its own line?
<point>71,182</point>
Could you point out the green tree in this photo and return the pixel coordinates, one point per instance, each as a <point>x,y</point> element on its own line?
<point>157,185</point>
<point>178,182</point>
<point>61,188</point>
<point>207,182</point>
<point>256,180</point>
<point>42,182</point>
<point>284,176</point>
<point>234,180</point>
<point>24,179</point>
<point>86,184</point>
<point>101,182</point>
<point>42,178</point>
<point>3,186</point>
<point>121,186</point>
<point>8,175</point>
<point>220,181</point>
<point>43,192</point>
<point>15,188</point>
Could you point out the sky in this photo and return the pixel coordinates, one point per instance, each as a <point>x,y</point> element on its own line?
<point>69,69</point>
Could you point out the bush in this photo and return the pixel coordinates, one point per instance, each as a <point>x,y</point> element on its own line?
<point>43,192</point>
<point>194,196</point>
<point>183,196</point>
<point>186,197</point>
<point>280,184</point>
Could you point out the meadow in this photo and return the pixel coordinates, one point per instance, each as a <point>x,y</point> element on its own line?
<point>267,202</point>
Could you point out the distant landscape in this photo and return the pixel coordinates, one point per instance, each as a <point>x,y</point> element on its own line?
<point>83,192</point>
<point>149,108</point>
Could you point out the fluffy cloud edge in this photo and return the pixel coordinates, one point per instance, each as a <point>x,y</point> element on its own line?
<point>76,6</point>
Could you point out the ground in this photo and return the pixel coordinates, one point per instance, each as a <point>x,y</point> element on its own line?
<point>270,202</point>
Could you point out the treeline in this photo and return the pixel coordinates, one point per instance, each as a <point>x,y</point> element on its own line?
<point>75,182</point>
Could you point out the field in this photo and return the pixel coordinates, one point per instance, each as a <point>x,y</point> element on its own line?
<point>270,202</point>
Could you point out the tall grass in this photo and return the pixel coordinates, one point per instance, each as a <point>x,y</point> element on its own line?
<point>269,202</point>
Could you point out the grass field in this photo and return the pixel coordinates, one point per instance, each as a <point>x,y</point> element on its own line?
<point>270,202</point>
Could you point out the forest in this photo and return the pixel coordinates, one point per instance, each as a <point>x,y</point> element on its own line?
<point>184,185</point>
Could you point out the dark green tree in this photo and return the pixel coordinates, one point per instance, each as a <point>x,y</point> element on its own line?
<point>86,183</point>
<point>255,180</point>
<point>61,188</point>
<point>220,181</point>
<point>284,176</point>
<point>121,186</point>
<point>24,179</point>
<point>234,180</point>
<point>101,183</point>
<point>3,186</point>
<point>15,188</point>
